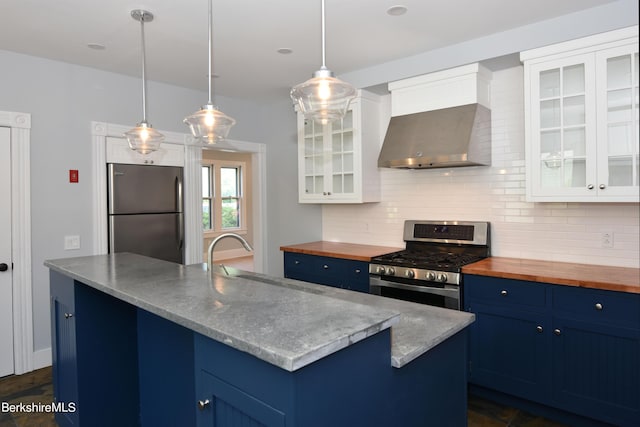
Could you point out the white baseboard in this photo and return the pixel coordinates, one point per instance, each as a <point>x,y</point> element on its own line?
<point>42,358</point>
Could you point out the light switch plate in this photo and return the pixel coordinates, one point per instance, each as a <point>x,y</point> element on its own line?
<point>71,242</point>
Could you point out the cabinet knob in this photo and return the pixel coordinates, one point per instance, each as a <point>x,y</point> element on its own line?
<point>539,329</point>
<point>68,315</point>
<point>599,306</point>
<point>503,293</point>
<point>357,271</point>
<point>557,332</point>
<point>4,267</point>
<point>590,186</point>
<point>202,404</point>
<point>326,267</point>
<point>296,262</point>
<point>602,186</point>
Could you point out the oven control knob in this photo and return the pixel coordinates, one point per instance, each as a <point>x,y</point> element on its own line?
<point>442,277</point>
<point>410,274</point>
<point>431,276</point>
<point>380,270</point>
<point>391,271</point>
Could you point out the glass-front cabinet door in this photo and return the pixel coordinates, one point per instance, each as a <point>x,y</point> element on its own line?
<point>342,155</point>
<point>564,114</point>
<point>618,156</point>
<point>328,158</point>
<point>313,158</point>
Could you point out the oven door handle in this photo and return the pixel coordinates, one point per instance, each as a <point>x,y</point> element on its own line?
<point>451,291</point>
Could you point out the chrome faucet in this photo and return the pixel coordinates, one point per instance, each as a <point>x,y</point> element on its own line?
<point>215,241</point>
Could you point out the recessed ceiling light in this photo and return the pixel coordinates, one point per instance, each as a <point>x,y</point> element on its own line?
<point>96,46</point>
<point>285,50</point>
<point>397,10</point>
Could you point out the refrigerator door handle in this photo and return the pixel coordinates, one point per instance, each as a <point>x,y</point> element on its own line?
<point>178,189</point>
<point>180,224</point>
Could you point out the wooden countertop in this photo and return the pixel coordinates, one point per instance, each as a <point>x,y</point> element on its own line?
<point>351,251</point>
<point>621,279</point>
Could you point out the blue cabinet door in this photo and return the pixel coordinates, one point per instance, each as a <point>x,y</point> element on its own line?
<point>224,405</point>
<point>63,343</point>
<point>597,370</point>
<point>509,351</point>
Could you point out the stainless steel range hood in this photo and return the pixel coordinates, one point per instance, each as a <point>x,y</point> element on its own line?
<point>448,137</point>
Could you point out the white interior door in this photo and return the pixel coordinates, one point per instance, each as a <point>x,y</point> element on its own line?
<point>6,283</point>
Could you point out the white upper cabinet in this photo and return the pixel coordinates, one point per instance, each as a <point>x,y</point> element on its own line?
<point>118,151</point>
<point>338,162</point>
<point>581,119</point>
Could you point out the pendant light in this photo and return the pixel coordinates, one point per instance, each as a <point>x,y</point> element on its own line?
<point>210,125</point>
<point>323,98</point>
<point>143,138</point>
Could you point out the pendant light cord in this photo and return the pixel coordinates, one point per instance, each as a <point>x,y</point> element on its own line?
<point>144,79</point>
<point>210,51</point>
<point>323,38</point>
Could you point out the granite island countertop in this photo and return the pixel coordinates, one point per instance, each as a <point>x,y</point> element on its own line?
<point>285,322</point>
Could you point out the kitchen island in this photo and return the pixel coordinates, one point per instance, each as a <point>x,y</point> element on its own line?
<point>138,341</point>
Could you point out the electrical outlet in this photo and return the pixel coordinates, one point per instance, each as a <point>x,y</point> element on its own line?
<point>606,239</point>
<point>71,242</point>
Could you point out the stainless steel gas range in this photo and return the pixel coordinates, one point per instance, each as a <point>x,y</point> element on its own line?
<point>427,271</point>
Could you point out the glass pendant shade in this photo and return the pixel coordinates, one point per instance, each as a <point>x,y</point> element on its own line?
<point>323,97</point>
<point>143,138</point>
<point>209,125</point>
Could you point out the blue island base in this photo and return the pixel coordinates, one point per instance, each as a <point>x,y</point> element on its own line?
<point>178,377</point>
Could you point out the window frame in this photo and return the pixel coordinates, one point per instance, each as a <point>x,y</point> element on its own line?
<point>216,199</point>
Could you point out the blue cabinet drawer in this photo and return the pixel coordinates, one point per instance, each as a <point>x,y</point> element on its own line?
<point>597,305</point>
<point>505,291</point>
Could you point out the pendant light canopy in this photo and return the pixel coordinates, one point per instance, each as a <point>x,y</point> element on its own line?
<point>210,125</point>
<point>323,98</point>
<point>143,138</point>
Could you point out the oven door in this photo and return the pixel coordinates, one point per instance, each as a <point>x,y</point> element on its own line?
<point>439,295</point>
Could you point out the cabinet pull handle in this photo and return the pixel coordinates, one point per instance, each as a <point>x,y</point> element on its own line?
<point>539,329</point>
<point>202,404</point>
<point>503,293</point>
<point>599,306</point>
<point>557,332</point>
<point>357,271</point>
<point>68,315</point>
<point>326,267</point>
<point>590,187</point>
<point>602,186</point>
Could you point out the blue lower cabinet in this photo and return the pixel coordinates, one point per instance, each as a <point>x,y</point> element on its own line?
<point>336,272</point>
<point>89,331</point>
<point>565,348</point>
<point>509,351</point>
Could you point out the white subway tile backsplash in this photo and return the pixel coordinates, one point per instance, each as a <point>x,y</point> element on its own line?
<point>567,232</point>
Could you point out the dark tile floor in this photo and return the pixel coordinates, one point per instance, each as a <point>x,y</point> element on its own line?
<point>36,387</point>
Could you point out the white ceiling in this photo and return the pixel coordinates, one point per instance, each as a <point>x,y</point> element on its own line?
<point>248,33</point>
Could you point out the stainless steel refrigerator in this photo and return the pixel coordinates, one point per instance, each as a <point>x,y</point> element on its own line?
<point>146,211</point>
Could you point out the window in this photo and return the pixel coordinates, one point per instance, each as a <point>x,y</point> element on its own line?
<point>222,196</point>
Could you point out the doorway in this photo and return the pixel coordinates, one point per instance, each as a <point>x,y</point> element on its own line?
<point>227,205</point>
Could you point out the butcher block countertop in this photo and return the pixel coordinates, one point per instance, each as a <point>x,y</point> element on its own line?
<point>351,251</point>
<point>603,277</point>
